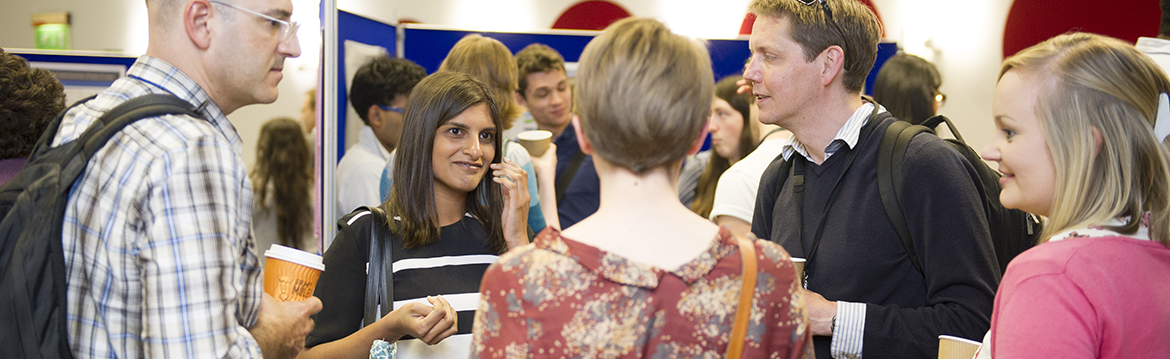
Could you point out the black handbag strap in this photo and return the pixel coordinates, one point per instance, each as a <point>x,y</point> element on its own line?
<point>379,270</point>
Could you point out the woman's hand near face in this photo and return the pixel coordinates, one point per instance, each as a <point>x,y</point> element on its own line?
<point>514,182</point>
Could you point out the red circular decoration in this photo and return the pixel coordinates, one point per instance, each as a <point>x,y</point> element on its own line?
<point>1033,21</point>
<point>745,28</point>
<point>590,15</point>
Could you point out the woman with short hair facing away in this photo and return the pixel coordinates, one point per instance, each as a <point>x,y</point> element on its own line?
<point>455,205</point>
<point>1075,142</point>
<point>643,276</point>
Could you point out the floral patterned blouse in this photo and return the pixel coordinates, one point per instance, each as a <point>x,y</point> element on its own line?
<point>558,298</point>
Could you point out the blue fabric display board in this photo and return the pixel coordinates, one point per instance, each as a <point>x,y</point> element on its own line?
<point>364,30</point>
<point>428,46</point>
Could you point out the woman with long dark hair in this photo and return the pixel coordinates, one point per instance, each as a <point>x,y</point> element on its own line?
<point>446,220</point>
<point>282,179</point>
<point>732,137</point>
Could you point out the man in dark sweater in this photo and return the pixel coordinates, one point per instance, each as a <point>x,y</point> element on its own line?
<point>864,297</point>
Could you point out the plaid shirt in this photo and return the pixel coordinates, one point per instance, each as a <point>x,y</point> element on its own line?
<point>157,235</point>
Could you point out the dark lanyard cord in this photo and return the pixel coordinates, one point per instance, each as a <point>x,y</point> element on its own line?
<point>798,192</point>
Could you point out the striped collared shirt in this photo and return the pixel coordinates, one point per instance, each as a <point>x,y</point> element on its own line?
<point>846,136</point>
<point>157,234</point>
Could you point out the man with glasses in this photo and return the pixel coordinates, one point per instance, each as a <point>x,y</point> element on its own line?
<point>378,94</point>
<point>866,296</point>
<point>157,239</point>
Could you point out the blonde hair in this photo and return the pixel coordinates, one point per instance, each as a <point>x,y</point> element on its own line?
<point>490,61</point>
<point>1096,85</point>
<point>810,27</point>
<point>644,93</point>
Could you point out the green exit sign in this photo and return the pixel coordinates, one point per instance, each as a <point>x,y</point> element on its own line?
<point>54,36</point>
<point>52,30</point>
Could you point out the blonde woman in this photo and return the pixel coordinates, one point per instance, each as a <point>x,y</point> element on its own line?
<point>643,276</point>
<point>1075,142</point>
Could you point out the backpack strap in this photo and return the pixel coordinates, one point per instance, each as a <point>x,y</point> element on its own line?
<point>939,119</point>
<point>891,155</point>
<point>116,119</point>
<point>50,133</point>
<point>778,170</point>
<point>568,174</point>
<point>131,111</point>
<point>379,270</point>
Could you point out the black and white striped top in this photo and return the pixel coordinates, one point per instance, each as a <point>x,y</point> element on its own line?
<point>453,267</point>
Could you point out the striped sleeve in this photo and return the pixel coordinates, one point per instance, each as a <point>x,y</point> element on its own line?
<point>849,331</point>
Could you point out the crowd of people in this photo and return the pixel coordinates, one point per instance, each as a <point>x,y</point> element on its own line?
<point>623,239</point>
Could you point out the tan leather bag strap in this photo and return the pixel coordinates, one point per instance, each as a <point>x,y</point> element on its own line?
<point>747,251</point>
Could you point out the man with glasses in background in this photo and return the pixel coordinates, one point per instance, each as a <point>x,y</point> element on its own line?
<point>157,239</point>
<point>378,94</point>
<point>865,296</point>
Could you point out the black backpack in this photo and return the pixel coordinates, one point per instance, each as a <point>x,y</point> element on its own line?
<point>32,263</point>
<point>1012,231</point>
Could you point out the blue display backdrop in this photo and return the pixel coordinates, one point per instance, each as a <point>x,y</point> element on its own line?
<point>364,30</point>
<point>76,59</point>
<point>428,47</point>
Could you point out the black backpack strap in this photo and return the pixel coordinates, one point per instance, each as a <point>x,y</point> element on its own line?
<point>46,139</point>
<point>771,183</point>
<point>567,176</point>
<point>891,155</point>
<point>116,119</point>
<point>380,270</point>
<point>940,119</point>
<point>131,111</point>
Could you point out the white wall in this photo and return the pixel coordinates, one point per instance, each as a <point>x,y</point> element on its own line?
<point>121,26</point>
<point>966,37</point>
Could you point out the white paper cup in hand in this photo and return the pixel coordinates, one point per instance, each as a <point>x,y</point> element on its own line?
<point>535,141</point>
<point>291,274</point>
<point>799,264</point>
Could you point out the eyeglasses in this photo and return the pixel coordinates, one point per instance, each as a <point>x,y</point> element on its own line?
<point>288,29</point>
<point>940,99</point>
<point>829,14</point>
<point>392,108</point>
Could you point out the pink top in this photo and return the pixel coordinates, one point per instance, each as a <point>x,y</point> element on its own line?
<point>561,298</point>
<point>1090,295</point>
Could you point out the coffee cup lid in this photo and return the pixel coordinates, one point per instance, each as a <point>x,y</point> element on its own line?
<point>295,256</point>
